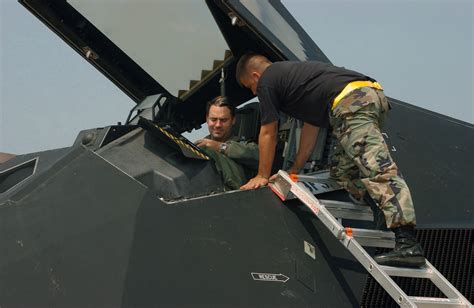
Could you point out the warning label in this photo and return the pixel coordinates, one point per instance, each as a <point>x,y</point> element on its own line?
<point>270,277</point>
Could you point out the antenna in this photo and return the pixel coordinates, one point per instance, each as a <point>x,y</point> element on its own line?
<point>221,81</point>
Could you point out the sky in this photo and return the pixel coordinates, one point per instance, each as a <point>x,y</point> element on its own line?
<point>421,51</point>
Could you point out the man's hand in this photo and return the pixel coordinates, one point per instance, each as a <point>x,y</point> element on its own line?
<point>256,182</point>
<point>212,144</point>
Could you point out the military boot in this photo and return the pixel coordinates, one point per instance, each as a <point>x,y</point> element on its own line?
<point>407,251</point>
<point>379,217</point>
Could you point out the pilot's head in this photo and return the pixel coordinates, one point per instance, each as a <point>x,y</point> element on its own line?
<point>220,117</point>
<point>249,69</point>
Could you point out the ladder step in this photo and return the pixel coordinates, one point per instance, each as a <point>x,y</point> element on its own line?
<point>354,239</point>
<point>316,183</point>
<point>227,54</point>
<point>321,178</point>
<point>347,210</point>
<point>182,92</point>
<point>204,73</point>
<point>192,83</point>
<point>436,301</point>
<point>372,238</point>
<point>217,63</point>
<point>424,272</point>
<point>317,175</point>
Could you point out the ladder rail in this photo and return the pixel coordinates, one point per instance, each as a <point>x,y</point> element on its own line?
<point>379,275</point>
<point>346,210</point>
<point>428,272</point>
<point>430,302</point>
<point>286,185</point>
<point>443,284</point>
<point>302,193</point>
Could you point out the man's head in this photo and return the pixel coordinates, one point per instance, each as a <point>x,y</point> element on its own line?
<point>249,70</point>
<point>220,117</point>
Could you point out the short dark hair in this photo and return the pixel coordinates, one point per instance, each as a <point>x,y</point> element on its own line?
<point>241,67</point>
<point>220,101</point>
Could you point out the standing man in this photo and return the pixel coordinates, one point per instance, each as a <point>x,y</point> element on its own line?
<point>235,160</point>
<point>320,94</point>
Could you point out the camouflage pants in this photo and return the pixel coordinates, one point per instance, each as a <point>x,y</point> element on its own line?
<point>360,159</point>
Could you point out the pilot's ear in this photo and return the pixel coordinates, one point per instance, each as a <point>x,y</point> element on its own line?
<point>233,120</point>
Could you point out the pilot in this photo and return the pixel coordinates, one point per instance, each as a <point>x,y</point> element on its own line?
<point>320,94</point>
<point>236,160</point>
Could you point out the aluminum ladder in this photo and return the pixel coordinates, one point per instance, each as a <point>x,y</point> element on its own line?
<point>287,187</point>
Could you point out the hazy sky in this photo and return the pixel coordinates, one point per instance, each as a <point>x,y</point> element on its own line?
<point>421,51</point>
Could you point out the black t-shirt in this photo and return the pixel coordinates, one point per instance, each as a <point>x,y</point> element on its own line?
<point>303,90</point>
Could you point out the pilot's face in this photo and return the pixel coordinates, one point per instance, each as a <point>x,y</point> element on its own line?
<point>220,121</point>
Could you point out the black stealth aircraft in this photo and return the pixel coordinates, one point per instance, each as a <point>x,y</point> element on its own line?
<point>134,215</point>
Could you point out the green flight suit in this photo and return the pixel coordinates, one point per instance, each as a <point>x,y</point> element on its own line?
<point>238,164</point>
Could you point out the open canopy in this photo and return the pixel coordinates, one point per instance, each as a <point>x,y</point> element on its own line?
<point>177,48</point>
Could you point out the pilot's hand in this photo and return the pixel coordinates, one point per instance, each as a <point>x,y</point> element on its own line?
<point>256,182</point>
<point>212,144</point>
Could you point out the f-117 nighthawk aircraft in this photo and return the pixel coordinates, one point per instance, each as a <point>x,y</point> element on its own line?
<point>135,215</point>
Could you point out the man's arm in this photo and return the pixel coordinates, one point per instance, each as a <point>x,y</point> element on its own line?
<point>240,152</point>
<point>266,145</point>
<point>212,144</point>
<point>309,136</point>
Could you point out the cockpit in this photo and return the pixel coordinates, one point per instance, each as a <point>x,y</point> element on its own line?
<point>171,60</point>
